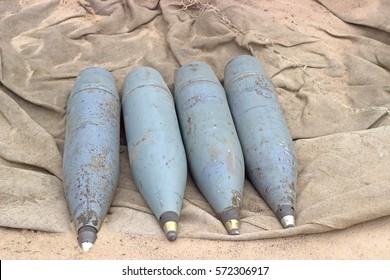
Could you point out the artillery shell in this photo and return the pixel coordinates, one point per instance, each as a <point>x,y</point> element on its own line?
<point>157,157</point>
<point>91,152</point>
<point>268,149</point>
<point>211,142</point>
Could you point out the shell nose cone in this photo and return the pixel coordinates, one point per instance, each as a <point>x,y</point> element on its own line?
<point>288,221</point>
<point>87,237</point>
<point>86,246</point>
<point>233,227</point>
<point>169,223</point>
<point>170,229</point>
<point>171,235</point>
<point>235,231</point>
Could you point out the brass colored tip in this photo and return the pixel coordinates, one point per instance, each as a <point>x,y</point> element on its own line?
<point>170,229</point>
<point>233,227</point>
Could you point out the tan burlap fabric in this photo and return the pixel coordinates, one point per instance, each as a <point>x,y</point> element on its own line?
<point>332,79</point>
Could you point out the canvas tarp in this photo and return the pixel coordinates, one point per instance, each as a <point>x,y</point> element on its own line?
<point>332,79</point>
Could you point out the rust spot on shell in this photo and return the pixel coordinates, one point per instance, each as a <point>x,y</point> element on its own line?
<point>193,67</point>
<point>236,200</point>
<point>88,217</point>
<point>98,161</point>
<point>230,162</point>
<point>189,123</point>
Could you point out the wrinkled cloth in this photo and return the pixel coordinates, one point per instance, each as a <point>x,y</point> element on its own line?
<point>332,80</point>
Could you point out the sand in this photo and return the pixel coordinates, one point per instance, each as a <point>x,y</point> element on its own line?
<point>366,241</point>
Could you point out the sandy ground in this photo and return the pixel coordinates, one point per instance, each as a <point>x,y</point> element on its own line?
<point>369,240</point>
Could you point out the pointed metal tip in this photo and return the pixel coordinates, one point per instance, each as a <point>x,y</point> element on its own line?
<point>171,235</point>
<point>233,227</point>
<point>288,221</point>
<point>235,232</point>
<point>86,246</point>
<point>87,237</point>
<point>170,229</point>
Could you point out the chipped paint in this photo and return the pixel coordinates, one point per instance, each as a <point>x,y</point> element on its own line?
<point>156,153</point>
<point>213,149</point>
<point>91,152</point>
<point>269,152</point>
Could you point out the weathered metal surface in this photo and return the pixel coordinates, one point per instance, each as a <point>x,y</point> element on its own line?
<point>268,149</point>
<point>212,146</point>
<point>157,157</point>
<point>91,152</point>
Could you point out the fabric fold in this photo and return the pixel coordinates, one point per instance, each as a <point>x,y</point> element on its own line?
<point>329,65</point>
